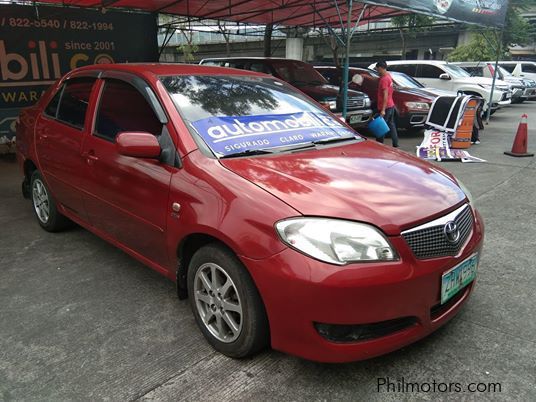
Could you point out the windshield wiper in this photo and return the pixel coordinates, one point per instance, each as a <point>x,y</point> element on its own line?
<point>333,140</point>
<point>249,152</point>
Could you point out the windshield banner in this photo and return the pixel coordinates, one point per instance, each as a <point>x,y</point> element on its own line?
<point>231,135</point>
<point>483,12</point>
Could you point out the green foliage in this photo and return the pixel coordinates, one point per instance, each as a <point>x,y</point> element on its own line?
<point>188,50</point>
<point>477,50</point>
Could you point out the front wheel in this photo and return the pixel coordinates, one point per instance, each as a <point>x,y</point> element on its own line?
<point>44,206</point>
<point>225,302</point>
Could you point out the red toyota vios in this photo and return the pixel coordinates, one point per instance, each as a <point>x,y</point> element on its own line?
<point>279,223</point>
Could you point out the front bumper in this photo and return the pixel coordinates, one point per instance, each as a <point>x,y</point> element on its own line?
<point>411,120</point>
<point>299,292</point>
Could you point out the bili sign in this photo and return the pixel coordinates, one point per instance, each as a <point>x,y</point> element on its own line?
<point>232,134</point>
<point>39,44</point>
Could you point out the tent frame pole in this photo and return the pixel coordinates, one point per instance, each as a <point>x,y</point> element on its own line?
<point>348,32</point>
<point>495,73</point>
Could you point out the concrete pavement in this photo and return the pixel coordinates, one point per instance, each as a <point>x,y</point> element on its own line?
<point>80,320</point>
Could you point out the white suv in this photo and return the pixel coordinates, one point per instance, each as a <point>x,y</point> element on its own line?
<point>443,75</point>
<point>522,69</point>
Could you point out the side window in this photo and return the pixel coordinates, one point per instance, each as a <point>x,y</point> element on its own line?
<point>429,71</point>
<point>509,67</point>
<point>259,68</point>
<point>529,68</point>
<point>408,69</point>
<point>74,101</point>
<point>52,107</point>
<point>123,108</point>
<point>475,71</point>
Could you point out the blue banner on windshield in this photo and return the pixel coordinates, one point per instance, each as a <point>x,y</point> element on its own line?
<point>231,135</point>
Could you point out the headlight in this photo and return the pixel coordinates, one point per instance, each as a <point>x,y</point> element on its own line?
<point>335,241</point>
<point>467,192</point>
<point>367,102</point>
<point>418,106</point>
<point>329,104</point>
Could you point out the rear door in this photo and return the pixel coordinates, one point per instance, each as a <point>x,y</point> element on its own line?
<point>127,197</point>
<point>60,133</point>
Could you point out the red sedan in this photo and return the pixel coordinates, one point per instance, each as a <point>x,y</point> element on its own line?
<point>412,104</point>
<point>279,223</point>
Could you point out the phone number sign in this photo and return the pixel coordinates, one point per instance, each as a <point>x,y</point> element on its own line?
<point>39,44</point>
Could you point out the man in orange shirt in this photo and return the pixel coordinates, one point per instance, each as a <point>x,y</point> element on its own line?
<point>386,105</point>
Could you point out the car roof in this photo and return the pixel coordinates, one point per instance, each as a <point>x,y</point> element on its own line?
<point>162,69</point>
<point>247,58</point>
<point>397,62</point>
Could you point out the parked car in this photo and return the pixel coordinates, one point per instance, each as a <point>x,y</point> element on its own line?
<point>412,105</point>
<point>522,89</point>
<point>304,77</point>
<point>520,69</point>
<point>278,221</point>
<point>443,75</point>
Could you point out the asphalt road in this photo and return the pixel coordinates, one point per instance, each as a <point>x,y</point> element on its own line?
<point>80,320</point>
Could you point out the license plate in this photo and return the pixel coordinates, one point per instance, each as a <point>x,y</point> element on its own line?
<point>458,277</point>
<point>355,118</point>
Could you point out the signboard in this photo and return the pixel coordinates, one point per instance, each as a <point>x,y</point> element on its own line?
<point>483,12</point>
<point>40,44</point>
<point>229,135</point>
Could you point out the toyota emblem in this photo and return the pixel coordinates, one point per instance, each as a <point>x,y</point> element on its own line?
<point>451,231</point>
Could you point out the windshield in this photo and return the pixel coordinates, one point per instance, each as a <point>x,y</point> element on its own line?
<point>504,72</point>
<point>240,114</point>
<point>405,81</point>
<point>455,71</point>
<point>298,73</point>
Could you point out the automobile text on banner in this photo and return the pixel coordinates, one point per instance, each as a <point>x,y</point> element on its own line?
<point>483,12</point>
<point>233,134</point>
<point>40,44</point>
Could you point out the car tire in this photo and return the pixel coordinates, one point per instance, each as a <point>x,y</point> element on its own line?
<point>226,303</point>
<point>44,206</point>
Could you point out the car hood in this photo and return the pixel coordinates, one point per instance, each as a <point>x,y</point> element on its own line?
<point>322,92</point>
<point>363,181</point>
<point>480,81</point>
<point>415,92</point>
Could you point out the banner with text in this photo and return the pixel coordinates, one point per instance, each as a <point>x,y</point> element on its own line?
<point>40,44</point>
<point>482,12</point>
<point>232,134</point>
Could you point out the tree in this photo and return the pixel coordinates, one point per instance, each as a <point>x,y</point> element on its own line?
<point>410,23</point>
<point>478,49</point>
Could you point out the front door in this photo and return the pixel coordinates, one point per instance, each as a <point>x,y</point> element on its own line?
<point>60,132</point>
<point>127,197</point>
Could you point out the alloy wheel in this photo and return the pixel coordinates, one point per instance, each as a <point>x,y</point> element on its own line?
<point>40,201</point>
<point>218,303</point>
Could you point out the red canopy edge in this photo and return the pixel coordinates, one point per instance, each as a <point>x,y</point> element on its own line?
<point>306,13</point>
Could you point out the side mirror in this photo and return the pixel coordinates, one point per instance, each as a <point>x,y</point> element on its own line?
<point>444,76</point>
<point>137,145</point>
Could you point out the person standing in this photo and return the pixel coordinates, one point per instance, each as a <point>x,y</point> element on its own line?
<point>386,105</point>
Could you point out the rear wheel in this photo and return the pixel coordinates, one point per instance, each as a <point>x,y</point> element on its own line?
<point>225,302</point>
<point>44,206</point>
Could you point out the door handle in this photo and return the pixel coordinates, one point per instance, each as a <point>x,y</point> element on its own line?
<point>42,137</point>
<point>90,157</point>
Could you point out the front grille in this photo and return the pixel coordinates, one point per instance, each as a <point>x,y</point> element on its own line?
<point>363,332</point>
<point>430,241</point>
<point>355,103</point>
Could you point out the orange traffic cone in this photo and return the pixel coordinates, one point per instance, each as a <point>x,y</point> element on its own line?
<point>519,149</point>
